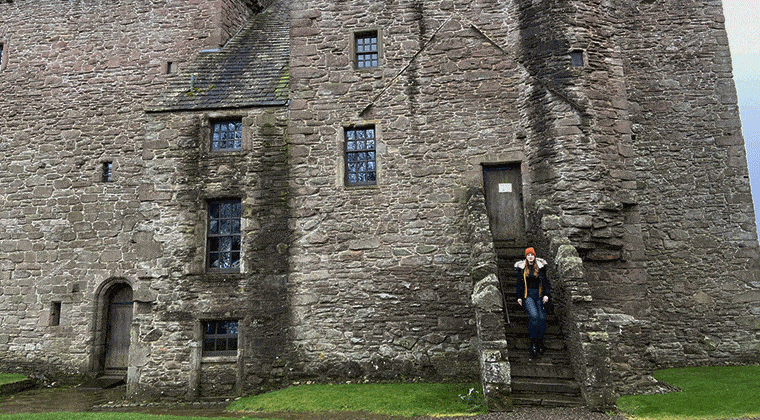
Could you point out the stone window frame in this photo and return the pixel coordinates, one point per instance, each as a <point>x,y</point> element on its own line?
<point>344,173</point>
<point>220,355</point>
<point>355,35</point>
<point>54,316</point>
<point>169,67</point>
<point>207,121</point>
<point>578,58</point>
<point>240,268</point>
<point>218,122</point>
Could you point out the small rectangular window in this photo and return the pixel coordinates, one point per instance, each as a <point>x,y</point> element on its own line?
<point>224,235</point>
<point>576,58</point>
<point>220,338</point>
<point>55,314</point>
<point>227,135</point>
<point>360,156</point>
<point>171,67</point>
<point>367,50</point>
<point>107,171</point>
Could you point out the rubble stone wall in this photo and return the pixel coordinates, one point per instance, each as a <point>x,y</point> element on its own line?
<point>383,273</point>
<point>74,80</point>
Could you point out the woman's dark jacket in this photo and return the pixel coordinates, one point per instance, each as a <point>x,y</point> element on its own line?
<point>530,281</point>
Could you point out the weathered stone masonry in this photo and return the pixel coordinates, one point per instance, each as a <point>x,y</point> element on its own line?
<point>634,183</point>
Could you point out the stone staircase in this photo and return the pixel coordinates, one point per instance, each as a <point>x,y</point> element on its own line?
<point>547,380</point>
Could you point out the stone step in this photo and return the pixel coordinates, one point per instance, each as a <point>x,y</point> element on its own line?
<point>104,381</point>
<point>520,329</point>
<point>545,386</point>
<point>544,366</point>
<point>547,400</point>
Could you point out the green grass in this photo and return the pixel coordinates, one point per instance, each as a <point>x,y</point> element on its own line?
<point>6,378</point>
<point>418,399</point>
<point>706,393</point>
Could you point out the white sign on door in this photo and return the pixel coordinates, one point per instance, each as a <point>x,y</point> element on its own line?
<point>505,188</point>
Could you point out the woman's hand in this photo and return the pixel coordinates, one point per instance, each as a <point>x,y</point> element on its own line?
<point>519,302</point>
<point>546,299</point>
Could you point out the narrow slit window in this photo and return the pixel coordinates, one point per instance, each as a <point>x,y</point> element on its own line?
<point>55,314</point>
<point>171,67</point>
<point>367,50</point>
<point>361,166</point>
<point>107,172</point>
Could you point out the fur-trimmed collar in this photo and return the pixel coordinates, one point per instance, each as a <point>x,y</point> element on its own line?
<point>540,261</point>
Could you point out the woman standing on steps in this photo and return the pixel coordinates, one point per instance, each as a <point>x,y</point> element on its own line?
<point>533,293</point>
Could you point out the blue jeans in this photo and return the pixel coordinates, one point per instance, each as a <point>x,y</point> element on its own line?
<point>534,307</point>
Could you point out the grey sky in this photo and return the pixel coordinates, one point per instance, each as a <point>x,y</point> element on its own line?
<point>743,26</point>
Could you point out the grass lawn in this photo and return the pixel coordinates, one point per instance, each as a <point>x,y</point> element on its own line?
<point>419,399</point>
<point>408,400</point>
<point>6,378</point>
<point>707,393</point>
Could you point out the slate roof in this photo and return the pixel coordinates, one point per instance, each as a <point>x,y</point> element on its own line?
<point>250,70</point>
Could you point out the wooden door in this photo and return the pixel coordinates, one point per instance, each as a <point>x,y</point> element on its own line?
<point>118,326</point>
<point>504,203</point>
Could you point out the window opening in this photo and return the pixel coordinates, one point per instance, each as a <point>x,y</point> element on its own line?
<point>367,50</point>
<point>107,172</point>
<point>171,67</point>
<point>224,235</point>
<point>360,156</point>
<point>220,338</point>
<point>576,58</point>
<point>227,135</point>
<point>55,314</point>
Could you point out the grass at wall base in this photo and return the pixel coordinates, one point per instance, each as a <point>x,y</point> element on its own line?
<point>409,399</point>
<point>706,393</point>
<point>7,378</point>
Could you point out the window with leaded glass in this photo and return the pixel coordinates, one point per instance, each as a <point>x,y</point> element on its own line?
<point>361,166</point>
<point>220,338</point>
<point>227,135</point>
<point>224,235</point>
<point>367,51</point>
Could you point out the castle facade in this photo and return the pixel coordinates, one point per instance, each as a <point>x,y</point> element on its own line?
<point>221,197</point>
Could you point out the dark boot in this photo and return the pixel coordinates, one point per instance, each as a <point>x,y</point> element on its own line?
<point>541,348</point>
<point>533,348</point>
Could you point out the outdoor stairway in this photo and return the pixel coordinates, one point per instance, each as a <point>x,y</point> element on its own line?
<point>547,380</point>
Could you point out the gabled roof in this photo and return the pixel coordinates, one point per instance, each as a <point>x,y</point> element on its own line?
<point>250,70</point>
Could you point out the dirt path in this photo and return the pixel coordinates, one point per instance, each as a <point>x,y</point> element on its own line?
<point>76,400</point>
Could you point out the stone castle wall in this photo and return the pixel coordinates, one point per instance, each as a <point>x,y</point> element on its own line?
<point>383,272</point>
<point>634,159</point>
<point>701,297</point>
<point>74,82</point>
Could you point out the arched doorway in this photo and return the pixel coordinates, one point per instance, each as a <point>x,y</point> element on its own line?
<point>118,321</point>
